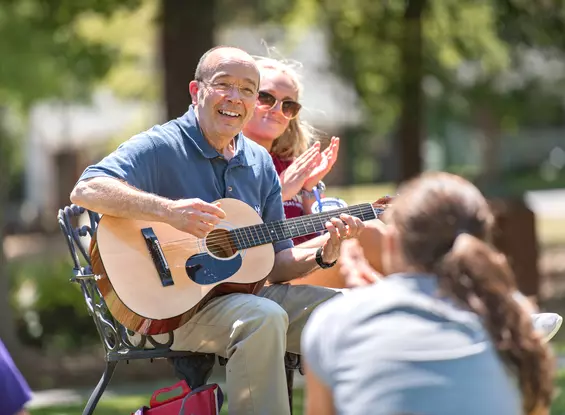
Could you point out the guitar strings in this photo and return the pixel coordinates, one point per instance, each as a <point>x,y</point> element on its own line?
<point>301,222</point>
<point>243,236</point>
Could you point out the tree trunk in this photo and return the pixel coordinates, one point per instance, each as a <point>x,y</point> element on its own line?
<point>515,236</point>
<point>7,325</point>
<point>187,31</point>
<point>411,116</point>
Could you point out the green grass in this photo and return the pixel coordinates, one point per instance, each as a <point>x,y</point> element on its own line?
<point>551,231</point>
<point>361,194</point>
<point>558,407</point>
<point>122,405</point>
<point>127,404</point>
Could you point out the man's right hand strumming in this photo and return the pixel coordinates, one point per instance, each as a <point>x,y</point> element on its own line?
<point>195,216</point>
<point>114,197</point>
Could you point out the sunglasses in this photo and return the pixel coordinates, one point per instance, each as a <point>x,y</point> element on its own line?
<point>289,108</point>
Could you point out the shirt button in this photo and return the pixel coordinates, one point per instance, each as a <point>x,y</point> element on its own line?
<point>230,188</point>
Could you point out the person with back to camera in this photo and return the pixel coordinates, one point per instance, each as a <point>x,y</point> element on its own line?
<point>277,126</point>
<point>441,334</point>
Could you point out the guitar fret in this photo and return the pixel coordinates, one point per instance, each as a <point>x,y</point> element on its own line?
<point>247,241</point>
<point>235,237</point>
<point>264,237</point>
<point>282,229</point>
<point>254,228</point>
<point>272,232</point>
<point>261,234</point>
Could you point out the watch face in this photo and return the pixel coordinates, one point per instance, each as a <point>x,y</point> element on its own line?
<point>328,204</point>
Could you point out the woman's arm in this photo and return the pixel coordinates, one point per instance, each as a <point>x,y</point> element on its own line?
<point>319,399</point>
<point>308,201</point>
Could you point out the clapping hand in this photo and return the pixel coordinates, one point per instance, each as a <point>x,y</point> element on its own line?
<point>293,178</point>
<point>327,161</point>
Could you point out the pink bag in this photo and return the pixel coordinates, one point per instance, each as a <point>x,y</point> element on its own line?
<point>205,400</point>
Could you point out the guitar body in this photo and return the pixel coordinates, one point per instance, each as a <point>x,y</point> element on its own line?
<point>147,301</point>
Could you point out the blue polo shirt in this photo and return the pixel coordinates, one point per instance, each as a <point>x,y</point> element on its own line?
<point>175,161</point>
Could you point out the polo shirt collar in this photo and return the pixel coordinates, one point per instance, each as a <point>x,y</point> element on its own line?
<point>189,124</point>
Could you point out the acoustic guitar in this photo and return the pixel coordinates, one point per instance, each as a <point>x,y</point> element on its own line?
<point>154,278</point>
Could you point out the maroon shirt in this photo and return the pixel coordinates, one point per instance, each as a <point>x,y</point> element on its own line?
<point>293,208</point>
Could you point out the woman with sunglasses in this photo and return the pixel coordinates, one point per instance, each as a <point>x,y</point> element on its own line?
<point>276,125</point>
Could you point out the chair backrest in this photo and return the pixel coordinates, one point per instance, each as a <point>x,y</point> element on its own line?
<point>114,336</point>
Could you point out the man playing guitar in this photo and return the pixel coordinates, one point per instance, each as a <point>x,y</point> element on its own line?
<point>170,174</point>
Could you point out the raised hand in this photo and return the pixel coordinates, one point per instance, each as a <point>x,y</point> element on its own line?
<point>293,178</point>
<point>327,161</point>
<point>354,266</point>
<point>194,216</point>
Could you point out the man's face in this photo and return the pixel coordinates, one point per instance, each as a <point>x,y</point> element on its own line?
<point>226,96</point>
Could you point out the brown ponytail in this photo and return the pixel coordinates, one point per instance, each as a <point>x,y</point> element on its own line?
<point>481,279</point>
<point>443,224</point>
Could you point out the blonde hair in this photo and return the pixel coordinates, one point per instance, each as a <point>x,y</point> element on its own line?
<point>299,135</point>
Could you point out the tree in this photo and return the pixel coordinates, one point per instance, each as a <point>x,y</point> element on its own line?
<point>44,57</point>
<point>187,31</point>
<point>388,49</point>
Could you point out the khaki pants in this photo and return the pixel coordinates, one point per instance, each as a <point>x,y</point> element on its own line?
<point>254,332</point>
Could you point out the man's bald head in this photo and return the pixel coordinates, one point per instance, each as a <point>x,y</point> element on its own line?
<point>224,93</point>
<point>209,62</point>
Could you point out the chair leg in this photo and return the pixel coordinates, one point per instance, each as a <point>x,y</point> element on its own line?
<point>100,388</point>
<point>290,386</point>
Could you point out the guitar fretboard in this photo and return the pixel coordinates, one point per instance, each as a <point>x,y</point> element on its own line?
<point>255,235</point>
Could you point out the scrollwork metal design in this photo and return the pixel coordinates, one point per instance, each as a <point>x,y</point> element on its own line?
<point>115,337</point>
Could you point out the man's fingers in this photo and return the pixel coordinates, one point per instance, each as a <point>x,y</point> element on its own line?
<point>342,230</point>
<point>211,208</point>
<point>207,218</point>
<point>334,235</point>
<point>355,225</point>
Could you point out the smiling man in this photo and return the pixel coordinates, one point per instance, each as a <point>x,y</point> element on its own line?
<point>172,173</point>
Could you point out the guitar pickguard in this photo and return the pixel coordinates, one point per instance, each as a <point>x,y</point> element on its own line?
<point>204,269</point>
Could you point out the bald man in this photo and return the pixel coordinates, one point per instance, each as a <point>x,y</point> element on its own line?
<point>171,173</point>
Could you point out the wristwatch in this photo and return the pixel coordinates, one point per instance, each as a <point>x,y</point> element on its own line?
<point>309,193</point>
<point>321,262</point>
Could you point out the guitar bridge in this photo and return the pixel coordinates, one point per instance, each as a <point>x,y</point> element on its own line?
<point>158,257</point>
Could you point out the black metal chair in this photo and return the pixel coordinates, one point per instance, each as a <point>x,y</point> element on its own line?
<point>195,368</point>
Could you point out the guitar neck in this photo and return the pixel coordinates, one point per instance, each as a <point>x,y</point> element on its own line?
<point>265,233</point>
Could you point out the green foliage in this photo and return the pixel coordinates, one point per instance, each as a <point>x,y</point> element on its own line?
<point>44,55</point>
<point>132,33</point>
<point>487,36</point>
<point>50,311</point>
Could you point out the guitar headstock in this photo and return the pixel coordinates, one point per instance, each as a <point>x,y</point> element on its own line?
<point>381,204</point>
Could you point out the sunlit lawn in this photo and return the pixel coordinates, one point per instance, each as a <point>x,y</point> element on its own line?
<point>551,231</point>
<point>128,404</point>
<point>125,405</point>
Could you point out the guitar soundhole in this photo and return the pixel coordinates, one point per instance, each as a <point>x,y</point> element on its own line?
<point>220,244</point>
